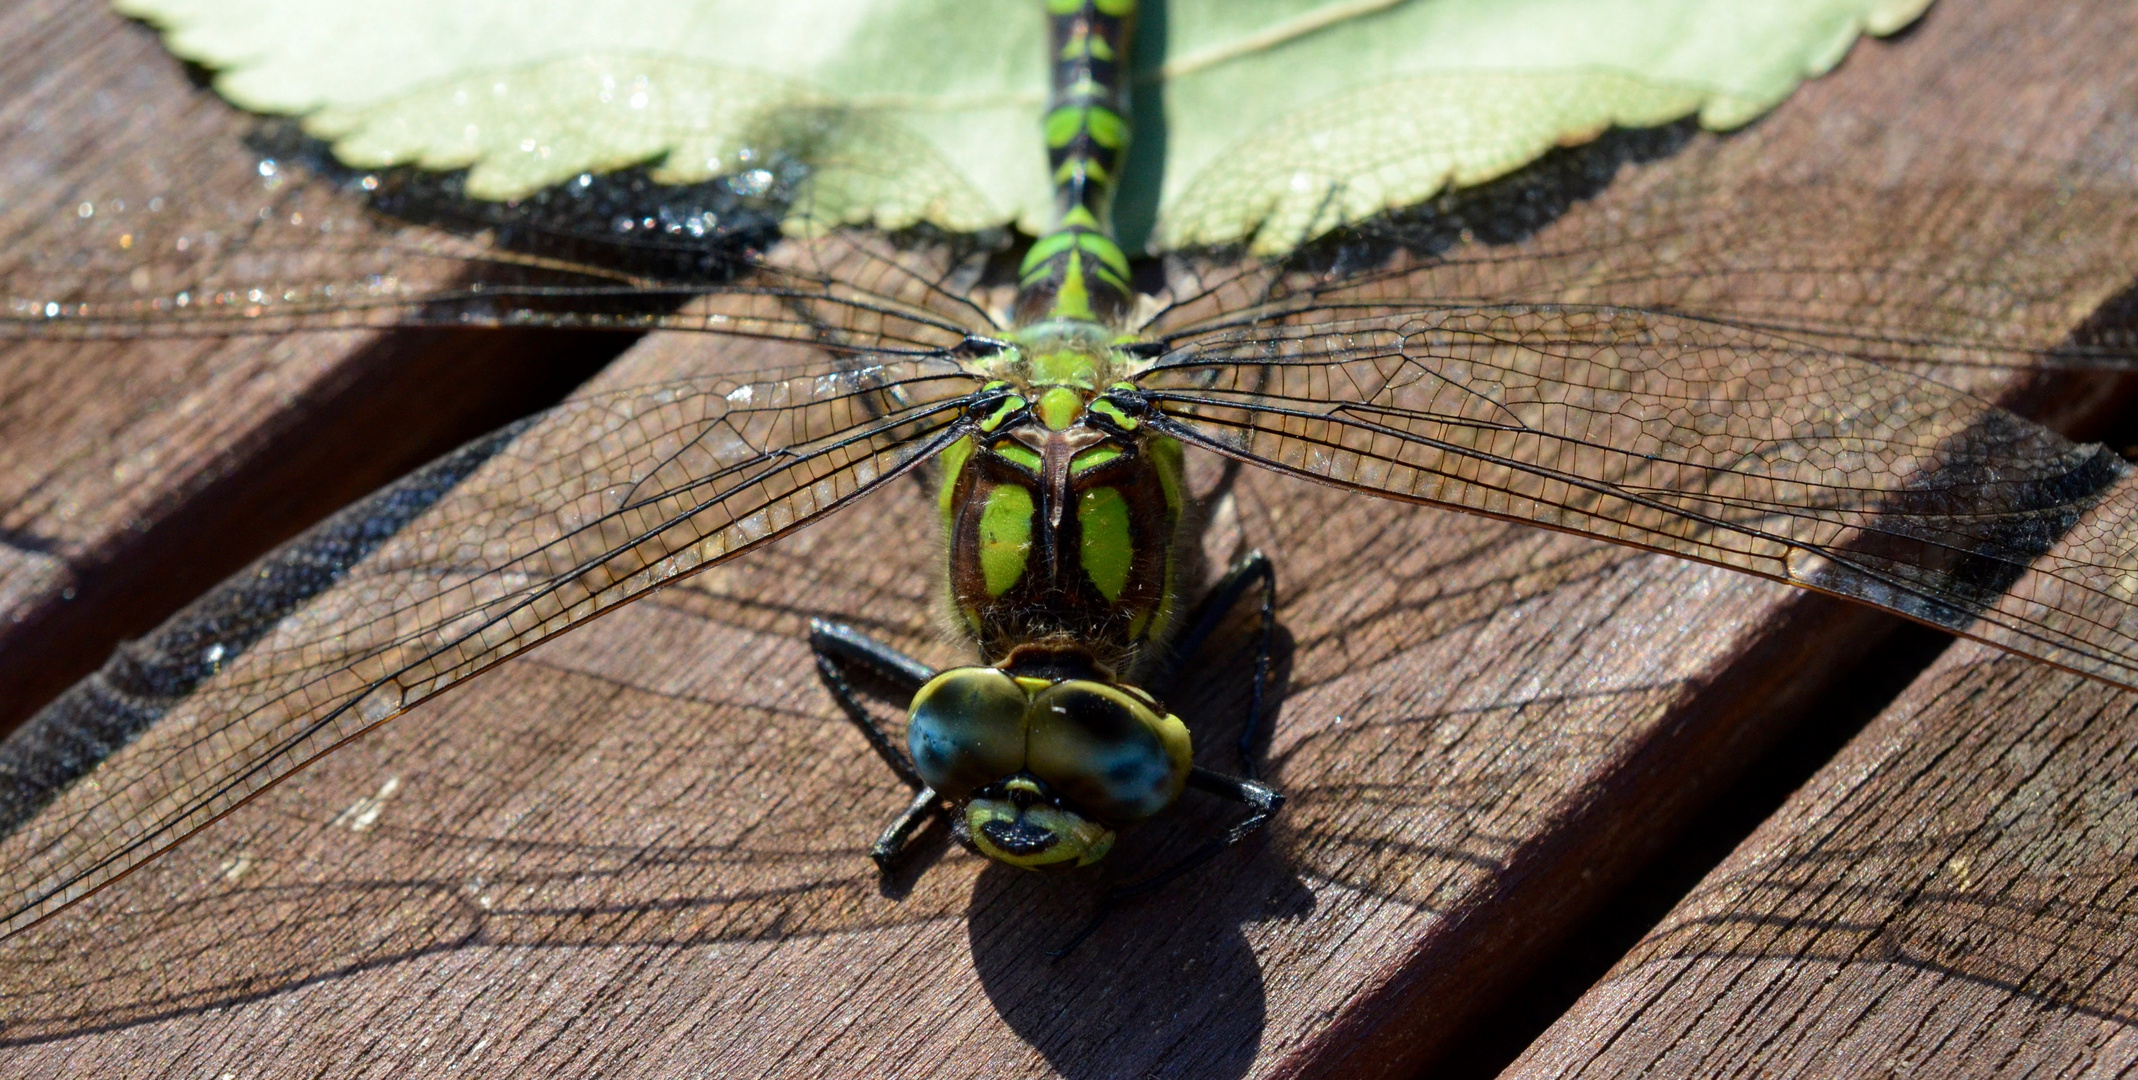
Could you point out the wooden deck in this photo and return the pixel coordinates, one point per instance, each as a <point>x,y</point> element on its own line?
<point>639,851</point>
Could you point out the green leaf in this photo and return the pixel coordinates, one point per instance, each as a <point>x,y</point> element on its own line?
<point>1265,120</point>
<point>1283,127</point>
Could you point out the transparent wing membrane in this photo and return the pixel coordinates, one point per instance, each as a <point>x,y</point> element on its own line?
<point>1688,355</point>
<point>320,255</point>
<point>1711,442</point>
<point>1892,249</point>
<point>586,507</point>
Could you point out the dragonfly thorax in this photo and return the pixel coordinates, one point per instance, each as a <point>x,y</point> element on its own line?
<point>1076,353</point>
<point>1061,512</point>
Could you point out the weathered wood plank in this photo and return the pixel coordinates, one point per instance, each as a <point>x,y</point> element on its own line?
<point>1956,894</point>
<point>663,809</point>
<point>640,849</point>
<point>133,475</point>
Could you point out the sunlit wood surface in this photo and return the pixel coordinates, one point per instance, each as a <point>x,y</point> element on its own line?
<point>640,849</point>
<point>135,475</point>
<point>1952,896</point>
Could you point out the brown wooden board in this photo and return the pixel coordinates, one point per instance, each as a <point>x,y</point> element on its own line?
<point>640,850</point>
<point>135,474</point>
<point>1956,894</point>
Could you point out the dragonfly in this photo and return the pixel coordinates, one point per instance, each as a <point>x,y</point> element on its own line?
<point>1605,389</point>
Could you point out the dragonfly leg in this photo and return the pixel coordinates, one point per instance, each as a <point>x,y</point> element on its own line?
<point>850,646</point>
<point>1262,802</point>
<point>839,647</point>
<point>892,843</point>
<point>1253,568</point>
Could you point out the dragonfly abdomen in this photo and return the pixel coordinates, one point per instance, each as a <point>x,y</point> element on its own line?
<point>1077,271</point>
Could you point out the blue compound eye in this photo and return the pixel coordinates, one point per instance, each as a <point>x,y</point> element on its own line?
<point>966,729</point>
<point>1106,750</point>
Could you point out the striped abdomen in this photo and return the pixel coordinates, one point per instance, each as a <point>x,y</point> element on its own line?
<point>1077,272</point>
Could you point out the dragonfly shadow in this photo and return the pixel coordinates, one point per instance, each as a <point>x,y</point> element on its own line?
<point>1175,961</point>
<point>1143,174</point>
<point>622,221</point>
<point>1156,973</point>
<point>1500,212</point>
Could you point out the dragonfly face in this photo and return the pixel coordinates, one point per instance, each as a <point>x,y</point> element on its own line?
<point>1043,764</point>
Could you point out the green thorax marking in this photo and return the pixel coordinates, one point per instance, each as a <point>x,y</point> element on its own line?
<point>1005,536</point>
<point>1077,272</point>
<point>1106,549</point>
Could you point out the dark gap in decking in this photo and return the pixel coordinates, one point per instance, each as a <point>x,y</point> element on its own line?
<point>1596,943</point>
<point>1593,945</point>
<point>418,394</point>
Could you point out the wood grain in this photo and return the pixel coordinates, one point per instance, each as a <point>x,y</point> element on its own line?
<point>662,810</point>
<point>640,849</point>
<point>135,474</point>
<point>1952,896</point>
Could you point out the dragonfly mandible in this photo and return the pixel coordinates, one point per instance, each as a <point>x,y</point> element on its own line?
<point>1766,438</point>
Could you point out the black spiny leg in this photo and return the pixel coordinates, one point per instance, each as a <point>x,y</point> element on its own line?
<point>892,843</point>
<point>1252,568</point>
<point>838,645</point>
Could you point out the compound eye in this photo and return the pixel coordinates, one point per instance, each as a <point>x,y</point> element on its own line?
<point>966,729</point>
<point>1107,751</point>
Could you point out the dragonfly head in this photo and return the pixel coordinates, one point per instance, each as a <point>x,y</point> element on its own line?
<point>1044,762</point>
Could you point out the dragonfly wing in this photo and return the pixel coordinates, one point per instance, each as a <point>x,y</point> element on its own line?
<point>1710,442</point>
<point>1907,248</point>
<point>312,255</point>
<point>568,515</point>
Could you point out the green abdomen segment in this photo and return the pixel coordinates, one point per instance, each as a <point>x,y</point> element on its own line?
<point>1078,272</point>
<point>1098,574</point>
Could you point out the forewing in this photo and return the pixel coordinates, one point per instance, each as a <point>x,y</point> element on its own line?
<point>1711,442</point>
<point>1894,245</point>
<point>578,510</point>
<point>304,253</point>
